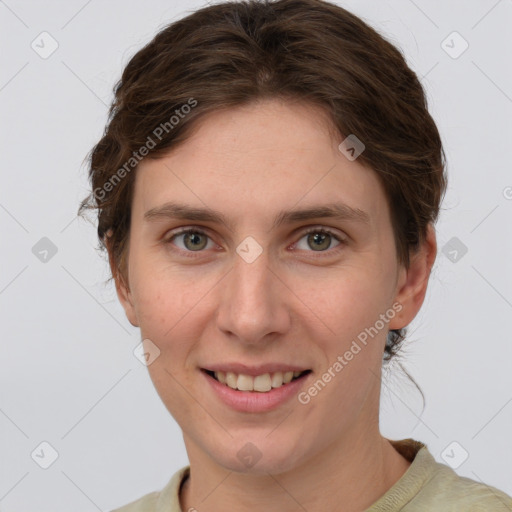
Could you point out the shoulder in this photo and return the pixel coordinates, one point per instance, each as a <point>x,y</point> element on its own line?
<point>451,492</point>
<point>166,500</point>
<point>145,504</point>
<point>446,491</point>
<point>430,485</point>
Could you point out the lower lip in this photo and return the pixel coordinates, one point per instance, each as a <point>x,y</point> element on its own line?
<point>255,401</point>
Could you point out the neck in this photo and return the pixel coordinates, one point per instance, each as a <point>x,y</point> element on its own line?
<point>348,476</point>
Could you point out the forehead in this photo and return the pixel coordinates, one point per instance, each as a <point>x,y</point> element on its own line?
<point>260,158</point>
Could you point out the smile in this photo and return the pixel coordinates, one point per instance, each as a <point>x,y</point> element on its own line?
<point>261,383</point>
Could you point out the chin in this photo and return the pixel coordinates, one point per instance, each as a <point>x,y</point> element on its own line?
<point>258,457</point>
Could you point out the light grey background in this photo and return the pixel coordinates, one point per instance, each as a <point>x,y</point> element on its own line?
<point>67,372</point>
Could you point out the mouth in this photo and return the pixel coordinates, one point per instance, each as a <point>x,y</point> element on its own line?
<point>259,383</point>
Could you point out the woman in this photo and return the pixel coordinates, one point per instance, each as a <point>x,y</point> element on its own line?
<point>267,189</point>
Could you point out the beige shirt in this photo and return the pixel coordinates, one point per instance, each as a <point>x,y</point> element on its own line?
<point>427,485</point>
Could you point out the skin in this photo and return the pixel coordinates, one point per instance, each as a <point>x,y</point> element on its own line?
<point>295,303</point>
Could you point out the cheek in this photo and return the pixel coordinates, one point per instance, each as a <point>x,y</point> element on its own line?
<point>155,308</point>
<point>168,309</point>
<point>172,309</point>
<point>347,302</point>
<point>161,298</point>
<point>352,309</point>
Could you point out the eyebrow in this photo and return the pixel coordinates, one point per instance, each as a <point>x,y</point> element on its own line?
<point>337,211</point>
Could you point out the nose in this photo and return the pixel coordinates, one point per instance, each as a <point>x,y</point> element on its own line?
<point>253,306</point>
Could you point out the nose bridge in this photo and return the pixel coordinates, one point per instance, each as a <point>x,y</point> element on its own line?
<point>251,270</point>
<point>251,305</point>
<point>251,286</point>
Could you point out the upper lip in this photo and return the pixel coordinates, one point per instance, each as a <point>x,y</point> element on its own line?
<point>255,370</point>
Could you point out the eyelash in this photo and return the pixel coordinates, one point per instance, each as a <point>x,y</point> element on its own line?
<point>197,230</point>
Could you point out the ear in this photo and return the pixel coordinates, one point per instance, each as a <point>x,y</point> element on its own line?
<point>412,282</point>
<point>122,287</point>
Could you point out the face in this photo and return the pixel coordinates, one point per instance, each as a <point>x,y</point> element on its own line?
<point>266,290</point>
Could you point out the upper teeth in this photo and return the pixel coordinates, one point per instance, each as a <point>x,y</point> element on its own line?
<point>261,383</point>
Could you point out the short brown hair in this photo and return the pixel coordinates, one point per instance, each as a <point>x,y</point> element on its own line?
<point>237,52</point>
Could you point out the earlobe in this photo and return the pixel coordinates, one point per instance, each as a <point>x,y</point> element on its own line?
<point>126,300</point>
<point>122,288</point>
<point>412,283</point>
